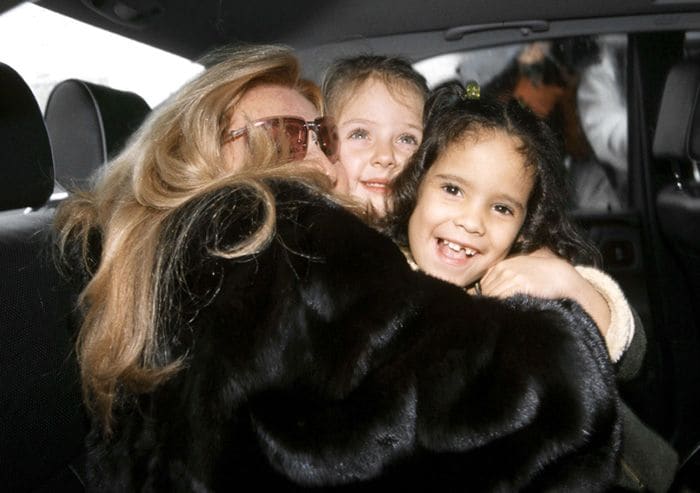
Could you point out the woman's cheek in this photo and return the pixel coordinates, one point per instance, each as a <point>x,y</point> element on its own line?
<point>233,154</point>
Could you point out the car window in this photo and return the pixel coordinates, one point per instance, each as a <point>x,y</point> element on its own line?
<point>578,85</point>
<point>31,44</point>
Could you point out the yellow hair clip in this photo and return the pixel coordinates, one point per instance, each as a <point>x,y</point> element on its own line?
<point>472,90</point>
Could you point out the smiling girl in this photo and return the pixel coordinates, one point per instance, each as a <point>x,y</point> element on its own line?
<point>486,183</point>
<point>470,207</point>
<point>377,102</point>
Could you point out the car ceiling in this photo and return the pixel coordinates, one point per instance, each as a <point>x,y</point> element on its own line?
<point>191,28</point>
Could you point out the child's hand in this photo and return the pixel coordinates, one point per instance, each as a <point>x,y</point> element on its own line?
<point>539,274</point>
<point>545,275</point>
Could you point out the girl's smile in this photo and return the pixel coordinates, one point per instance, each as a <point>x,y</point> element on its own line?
<point>471,205</point>
<point>378,185</point>
<point>454,251</point>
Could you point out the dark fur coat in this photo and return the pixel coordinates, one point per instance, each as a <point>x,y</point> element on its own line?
<point>325,360</point>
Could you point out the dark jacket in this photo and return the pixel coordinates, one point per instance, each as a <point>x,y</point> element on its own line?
<point>647,461</point>
<point>324,360</point>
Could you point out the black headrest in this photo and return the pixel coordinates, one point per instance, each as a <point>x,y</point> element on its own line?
<point>88,124</point>
<point>26,169</point>
<point>678,126</point>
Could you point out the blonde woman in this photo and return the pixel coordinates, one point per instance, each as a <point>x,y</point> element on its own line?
<point>241,328</point>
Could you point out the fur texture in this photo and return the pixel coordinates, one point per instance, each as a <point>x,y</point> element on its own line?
<point>326,361</point>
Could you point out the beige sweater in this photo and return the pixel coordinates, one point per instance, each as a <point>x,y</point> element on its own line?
<point>621,328</point>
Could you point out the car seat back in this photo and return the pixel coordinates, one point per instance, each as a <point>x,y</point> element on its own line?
<point>677,142</point>
<point>89,124</point>
<point>26,170</point>
<point>42,424</point>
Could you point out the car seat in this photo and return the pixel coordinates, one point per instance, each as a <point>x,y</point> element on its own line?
<point>677,141</point>
<point>42,423</point>
<point>88,124</point>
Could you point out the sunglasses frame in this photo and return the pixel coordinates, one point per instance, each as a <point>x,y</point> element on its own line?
<point>316,126</point>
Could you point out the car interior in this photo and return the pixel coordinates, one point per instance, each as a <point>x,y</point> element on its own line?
<point>648,236</point>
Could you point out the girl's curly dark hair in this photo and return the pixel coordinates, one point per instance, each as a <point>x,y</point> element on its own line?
<point>449,118</point>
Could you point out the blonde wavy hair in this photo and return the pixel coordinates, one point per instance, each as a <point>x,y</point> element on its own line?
<point>175,156</point>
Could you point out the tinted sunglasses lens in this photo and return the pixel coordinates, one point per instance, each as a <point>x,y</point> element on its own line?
<point>292,136</point>
<point>296,135</point>
<point>328,137</point>
<point>289,134</point>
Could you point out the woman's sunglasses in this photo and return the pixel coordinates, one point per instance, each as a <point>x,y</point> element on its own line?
<point>292,133</point>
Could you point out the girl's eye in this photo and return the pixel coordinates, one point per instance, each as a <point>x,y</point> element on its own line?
<point>451,189</point>
<point>408,139</point>
<point>358,134</point>
<point>503,209</point>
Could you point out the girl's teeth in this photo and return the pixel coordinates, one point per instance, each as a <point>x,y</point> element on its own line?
<point>453,246</point>
<point>456,248</point>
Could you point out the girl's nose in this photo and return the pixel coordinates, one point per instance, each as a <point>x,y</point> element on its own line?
<point>471,221</point>
<point>383,155</point>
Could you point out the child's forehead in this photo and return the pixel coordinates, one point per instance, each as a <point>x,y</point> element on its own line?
<point>490,163</point>
<point>398,88</point>
<point>480,133</point>
<point>377,87</point>
<point>487,139</point>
